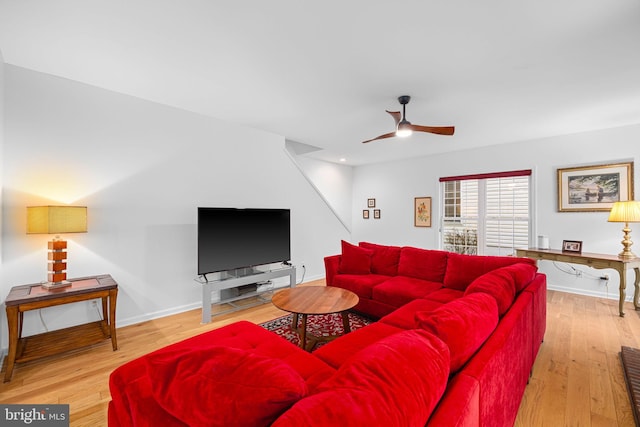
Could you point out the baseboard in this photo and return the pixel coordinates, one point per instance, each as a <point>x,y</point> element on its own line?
<point>157,314</point>
<point>613,295</point>
<point>174,310</point>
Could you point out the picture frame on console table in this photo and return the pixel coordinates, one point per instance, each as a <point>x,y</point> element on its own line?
<point>572,246</point>
<point>422,212</point>
<point>594,188</point>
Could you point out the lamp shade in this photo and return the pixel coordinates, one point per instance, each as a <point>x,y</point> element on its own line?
<point>56,219</point>
<point>625,212</point>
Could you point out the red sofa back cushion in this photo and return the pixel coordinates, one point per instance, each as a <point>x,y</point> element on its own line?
<point>354,259</point>
<point>463,324</point>
<point>423,264</point>
<point>464,269</point>
<point>522,274</point>
<point>395,382</point>
<point>500,284</point>
<point>223,386</point>
<point>384,259</point>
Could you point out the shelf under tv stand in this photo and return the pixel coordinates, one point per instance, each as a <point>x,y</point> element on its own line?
<point>209,286</point>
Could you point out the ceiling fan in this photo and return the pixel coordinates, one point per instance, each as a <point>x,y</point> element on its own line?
<point>405,128</point>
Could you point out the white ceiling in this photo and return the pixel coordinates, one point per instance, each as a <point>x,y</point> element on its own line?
<point>322,73</point>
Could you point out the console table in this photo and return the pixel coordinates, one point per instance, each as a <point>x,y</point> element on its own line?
<point>598,261</point>
<point>233,282</point>
<point>32,297</point>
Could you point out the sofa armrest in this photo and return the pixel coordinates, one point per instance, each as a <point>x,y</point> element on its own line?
<point>331,264</point>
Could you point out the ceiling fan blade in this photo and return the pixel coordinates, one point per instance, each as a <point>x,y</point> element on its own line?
<point>440,130</point>
<point>386,135</point>
<point>396,116</point>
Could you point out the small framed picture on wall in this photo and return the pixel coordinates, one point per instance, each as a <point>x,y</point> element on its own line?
<point>365,213</point>
<point>376,213</point>
<point>422,212</point>
<point>371,203</point>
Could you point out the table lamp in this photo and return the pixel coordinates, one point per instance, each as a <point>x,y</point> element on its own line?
<point>56,220</point>
<point>626,212</point>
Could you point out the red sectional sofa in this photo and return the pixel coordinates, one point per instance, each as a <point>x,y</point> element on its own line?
<point>454,346</point>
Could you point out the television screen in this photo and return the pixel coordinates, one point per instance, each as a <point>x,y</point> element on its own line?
<point>230,238</point>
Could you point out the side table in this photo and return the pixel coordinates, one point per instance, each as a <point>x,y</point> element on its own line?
<point>32,297</point>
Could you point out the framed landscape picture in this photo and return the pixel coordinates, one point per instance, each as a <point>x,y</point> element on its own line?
<point>594,188</point>
<point>422,212</point>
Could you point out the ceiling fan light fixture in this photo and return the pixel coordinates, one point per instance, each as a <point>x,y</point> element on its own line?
<point>404,129</point>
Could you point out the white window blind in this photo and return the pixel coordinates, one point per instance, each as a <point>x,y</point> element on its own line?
<point>507,213</point>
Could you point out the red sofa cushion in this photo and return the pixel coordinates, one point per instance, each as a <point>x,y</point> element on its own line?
<point>464,269</point>
<point>142,408</point>
<point>522,274</point>
<point>500,284</point>
<point>445,295</point>
<point>463,324</point>
<point>384,259</point>
<point>400,290</point>
<point>360,284</point>
<point>340,350</point>
<point>423,264</point>
<point>405,316</point>
<point>354,259</point>
<point>223,386</point>
<point>395,382</point>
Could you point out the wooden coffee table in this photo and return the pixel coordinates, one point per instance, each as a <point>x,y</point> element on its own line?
<point>306,300</point>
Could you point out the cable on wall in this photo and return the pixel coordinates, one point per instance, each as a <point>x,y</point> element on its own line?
<point>578,273</point>
<point>44,325</point>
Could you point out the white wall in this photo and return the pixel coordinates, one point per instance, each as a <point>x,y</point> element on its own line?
<point>2,330</point>
<point>334,182</point>
<point>394,186</point>
<point>142,169</point>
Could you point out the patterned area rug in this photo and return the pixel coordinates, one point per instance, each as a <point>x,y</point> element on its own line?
<point>321,325</point>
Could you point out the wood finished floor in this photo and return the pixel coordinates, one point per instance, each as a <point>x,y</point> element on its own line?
<point>577,378</point>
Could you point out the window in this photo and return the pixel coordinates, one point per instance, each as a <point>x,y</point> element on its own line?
<point>486,214</point>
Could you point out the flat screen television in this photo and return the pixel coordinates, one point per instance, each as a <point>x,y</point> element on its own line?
<point>232,239</point>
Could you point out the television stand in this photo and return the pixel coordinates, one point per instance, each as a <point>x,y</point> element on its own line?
<point>233,280</point>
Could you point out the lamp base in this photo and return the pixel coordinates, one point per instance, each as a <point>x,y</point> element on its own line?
<point>57,275</point>
<point>626,255</point>
<point>626,244</point>
<point>56,285</point>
